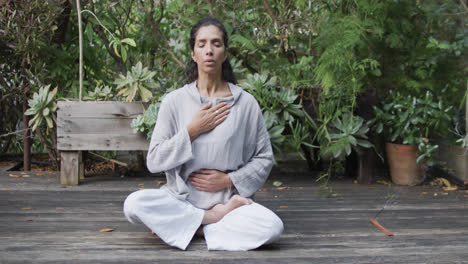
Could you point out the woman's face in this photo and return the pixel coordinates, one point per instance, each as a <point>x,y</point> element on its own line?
<point>209,51</point>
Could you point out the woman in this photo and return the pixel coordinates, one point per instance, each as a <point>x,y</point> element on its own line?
<point>211,141</point>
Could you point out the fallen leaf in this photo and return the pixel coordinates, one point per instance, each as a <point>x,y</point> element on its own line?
<point>444,193</point>
<point>26,176</point>
<point>40,174</point>
<point>453,188</point>
<point>106,230</point>
<point>424,193</point>
<point>23,172</point>
<point>159,182</point>
<point>335,195</point>
<point>277,183</point>
<point>141,184</point>
<point>26,208</point>
<point>22,183</point>
<point>141,188</point>
<point>5,189</point>
<point>28,220</point>
<point>466,196</point>
<point>59,208</point>
<point>386,183</point>
<point>371,188</point>
<point>283,188</point>
<point>15,176</point>
<point>441,182</point>
<point>283,206</point>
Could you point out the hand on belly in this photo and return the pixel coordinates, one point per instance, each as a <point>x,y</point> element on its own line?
<point>210,180</point>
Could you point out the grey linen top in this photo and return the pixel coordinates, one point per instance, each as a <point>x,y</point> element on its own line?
<point>239,146</point>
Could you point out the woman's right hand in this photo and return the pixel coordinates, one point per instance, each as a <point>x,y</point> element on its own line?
<point>207,118</point>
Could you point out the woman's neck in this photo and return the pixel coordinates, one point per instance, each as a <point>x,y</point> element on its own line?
<point>212,87</point>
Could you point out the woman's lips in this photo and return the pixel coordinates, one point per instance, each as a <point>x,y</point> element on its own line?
<point>209,62</point>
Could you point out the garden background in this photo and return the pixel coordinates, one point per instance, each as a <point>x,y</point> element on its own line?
<point>333,78</point>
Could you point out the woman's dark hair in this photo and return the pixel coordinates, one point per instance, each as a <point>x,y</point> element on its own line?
<point>191,69</point>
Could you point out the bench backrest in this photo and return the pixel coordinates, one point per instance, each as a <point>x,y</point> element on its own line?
<point>91,125</point>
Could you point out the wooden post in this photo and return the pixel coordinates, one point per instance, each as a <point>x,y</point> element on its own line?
<point>365,168</point>
<point>80,47</point>
<point>70,167</point>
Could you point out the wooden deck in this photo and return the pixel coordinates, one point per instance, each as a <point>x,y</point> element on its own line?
<point>41,222</point>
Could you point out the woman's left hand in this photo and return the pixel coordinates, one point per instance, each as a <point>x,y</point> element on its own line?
<point>210,180</point>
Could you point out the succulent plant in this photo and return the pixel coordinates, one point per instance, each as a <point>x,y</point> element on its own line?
<point>138,81</point>
<point>42,106</point>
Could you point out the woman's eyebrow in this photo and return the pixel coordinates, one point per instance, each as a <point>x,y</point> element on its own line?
<point>213,40</point>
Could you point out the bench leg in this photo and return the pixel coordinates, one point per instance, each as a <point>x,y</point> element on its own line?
<point>70,167</point>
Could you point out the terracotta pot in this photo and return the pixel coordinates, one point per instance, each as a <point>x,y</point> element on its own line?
<point>404,169</point>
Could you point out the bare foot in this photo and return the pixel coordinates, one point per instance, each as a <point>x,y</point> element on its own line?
<point>220,210</point>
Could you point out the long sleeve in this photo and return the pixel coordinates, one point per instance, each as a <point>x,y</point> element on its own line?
<point>250,177</point>
<point>168,148</point>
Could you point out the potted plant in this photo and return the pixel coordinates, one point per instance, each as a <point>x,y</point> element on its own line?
<point>453,154</point>
<point>409,123</point>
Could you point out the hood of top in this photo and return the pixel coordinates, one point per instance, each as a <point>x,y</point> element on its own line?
<point>230,100</point>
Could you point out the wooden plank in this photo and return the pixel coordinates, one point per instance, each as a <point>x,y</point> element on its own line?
<point>95,126</point>
<point>101,142</point>
<point>93,109</point>
<point>70,167</point>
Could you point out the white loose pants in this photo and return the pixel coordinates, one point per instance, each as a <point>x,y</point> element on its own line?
<point>176,221</point>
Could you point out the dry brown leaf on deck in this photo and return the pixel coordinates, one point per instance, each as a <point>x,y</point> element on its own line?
<point>283,206</point>
<point>106,230</point>
<point>159,182</point>
<point>283,188</point>
<point>5,189</point>
<point>453,188</point>
<point>26,176</point>
<point>141,184</point>
<point>26,208</point>
<point>466,196</point>
<point>14,176</point>
<point>386,183</point>
<point>441,182</point>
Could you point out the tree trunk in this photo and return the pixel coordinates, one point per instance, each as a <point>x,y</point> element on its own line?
<point>26,134</point>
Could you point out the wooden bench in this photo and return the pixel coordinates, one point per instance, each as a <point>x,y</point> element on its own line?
<point>91,125</point>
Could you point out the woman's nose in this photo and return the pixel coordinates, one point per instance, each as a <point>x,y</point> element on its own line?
<point>208,50</point>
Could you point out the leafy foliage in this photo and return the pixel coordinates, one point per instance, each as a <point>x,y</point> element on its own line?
<point>42,106</point>
<point>137,81</point>
<point>145,123</point>
<point>100,93</point>
<point>412,120</point>
<point>344,134</point>
<point>287,122</point>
